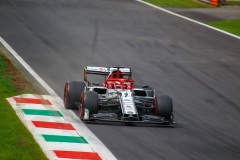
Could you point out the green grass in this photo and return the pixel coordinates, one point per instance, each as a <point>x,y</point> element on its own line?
<point>232,26</point>
<point>233,3</point>
<point>16,142</point>
<point>179,3</point>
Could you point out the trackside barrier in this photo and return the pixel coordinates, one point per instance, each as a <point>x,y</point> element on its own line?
<point>215,2</point>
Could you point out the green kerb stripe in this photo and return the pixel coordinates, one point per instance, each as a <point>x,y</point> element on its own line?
<point>69,139</point>
<point>42,112</point>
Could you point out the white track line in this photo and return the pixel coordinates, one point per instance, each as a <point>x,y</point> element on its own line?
<point>28,68</point>
<point>189,19</point>
<point>94,142</point>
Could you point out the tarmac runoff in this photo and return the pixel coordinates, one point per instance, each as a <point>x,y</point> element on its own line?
<point>58,135</point>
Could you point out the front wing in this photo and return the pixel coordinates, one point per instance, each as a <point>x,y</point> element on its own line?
<point>112,117</point>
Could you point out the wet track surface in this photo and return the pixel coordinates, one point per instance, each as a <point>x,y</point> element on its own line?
<point>197,66</point>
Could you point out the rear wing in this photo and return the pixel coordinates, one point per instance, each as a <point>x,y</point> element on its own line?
<point>105,71</point>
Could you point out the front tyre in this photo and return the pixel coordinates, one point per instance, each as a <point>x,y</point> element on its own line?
<point>90,101</point>
<point>72,93</point>
<point>164,107</point>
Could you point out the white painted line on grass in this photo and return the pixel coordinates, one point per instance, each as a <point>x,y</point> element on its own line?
<point>189,19</point>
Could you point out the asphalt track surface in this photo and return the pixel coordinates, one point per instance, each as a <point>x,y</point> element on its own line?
<point>210,14</point>
<point>197,66</point>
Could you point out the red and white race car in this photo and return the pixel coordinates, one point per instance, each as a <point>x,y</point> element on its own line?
<point>117,99</point>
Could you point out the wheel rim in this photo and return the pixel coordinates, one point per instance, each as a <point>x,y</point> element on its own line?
<point>65,94</point>
<point>81,106</point>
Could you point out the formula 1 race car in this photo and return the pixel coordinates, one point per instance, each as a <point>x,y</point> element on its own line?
<point>117,99</point>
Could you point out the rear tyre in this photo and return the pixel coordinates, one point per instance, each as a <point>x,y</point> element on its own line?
<point>222,2</point>
<point>90,101</point>
<point>164,107</point>
<point>72,93</point>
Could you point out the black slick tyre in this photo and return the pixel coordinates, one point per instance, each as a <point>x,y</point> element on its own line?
<point>72,93</point>
<point>164,106</point>
<point>90,101</point>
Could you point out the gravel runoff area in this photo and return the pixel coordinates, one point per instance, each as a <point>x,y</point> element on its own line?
<point>210,14</point>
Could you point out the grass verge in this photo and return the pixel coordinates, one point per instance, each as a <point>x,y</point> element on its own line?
<point>233,3</point>
<point>179,3</point>
<point>16,141</point>
<point>231,26</point>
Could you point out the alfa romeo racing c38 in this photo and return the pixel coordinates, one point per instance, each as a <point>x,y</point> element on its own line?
<point>117,98</point>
